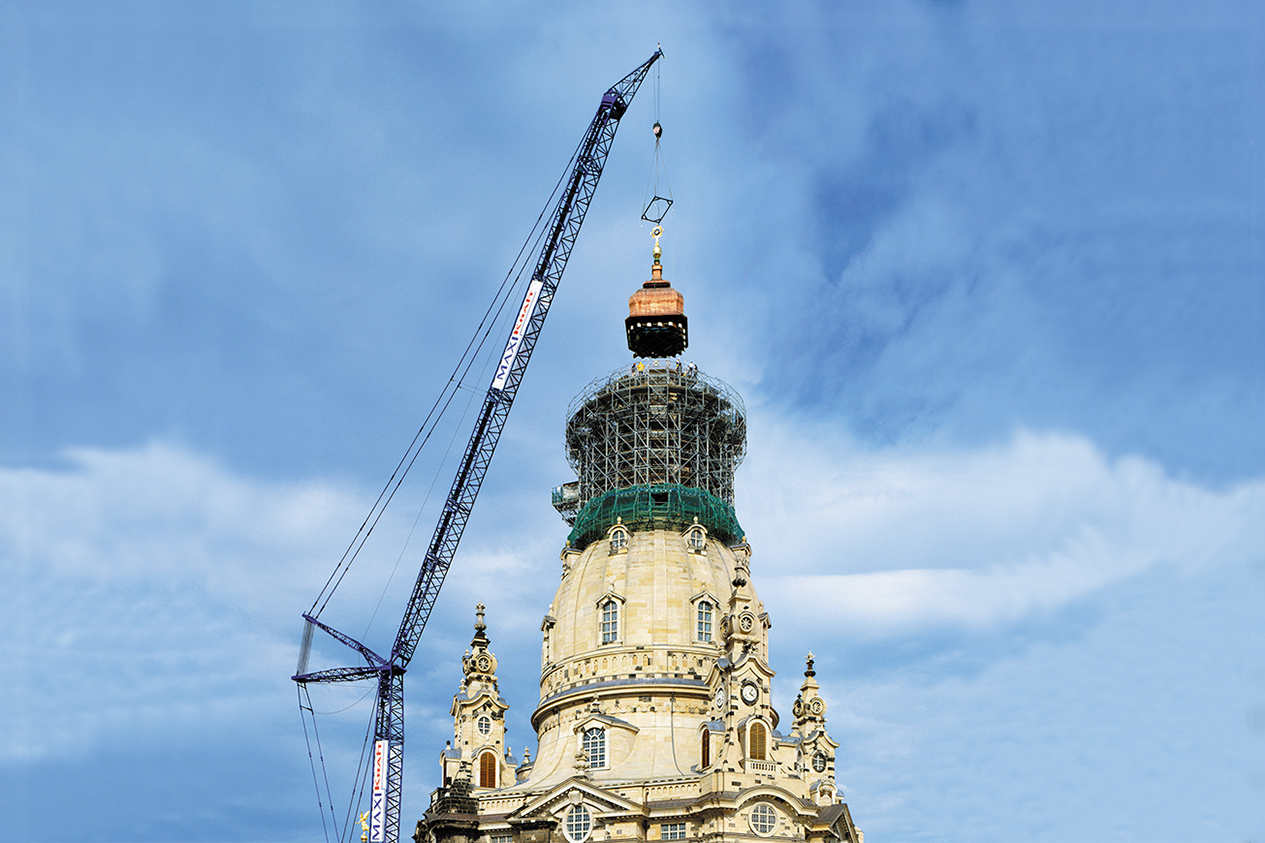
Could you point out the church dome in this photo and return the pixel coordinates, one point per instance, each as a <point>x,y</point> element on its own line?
<point>656,717</point>
<point>634,632</point>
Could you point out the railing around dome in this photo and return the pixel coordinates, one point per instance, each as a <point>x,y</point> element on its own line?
<point>655,506</point>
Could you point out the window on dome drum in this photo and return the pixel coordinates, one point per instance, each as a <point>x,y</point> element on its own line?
<point>756,741</point>
<point>704,620</point>
<point>672,831</point>
<point>707,748</point>
<point>696,539</point>
<point>763,819</point>
<point>500,838</point>
<point>487,769</point>
<point>485,725</point>
<point>578,824</point>
<point>610,622</point>
<point>595,746</point>
<point>619,540</point>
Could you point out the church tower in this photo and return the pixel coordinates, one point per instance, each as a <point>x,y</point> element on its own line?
<point>655,719</point>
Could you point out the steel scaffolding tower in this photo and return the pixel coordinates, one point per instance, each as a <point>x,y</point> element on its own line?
<point>660,422</point>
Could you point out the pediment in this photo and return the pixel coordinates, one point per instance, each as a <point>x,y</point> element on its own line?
<point>604,721</point>
<point>484,699</point>
<point>798,808</point>
<point>611,594</point>
<point>708,596</point>
<point>571,792</point>
<point>818,740</point>
<point>751,664</point>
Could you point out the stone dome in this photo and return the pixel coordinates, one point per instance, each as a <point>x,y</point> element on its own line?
<point>632,635</point>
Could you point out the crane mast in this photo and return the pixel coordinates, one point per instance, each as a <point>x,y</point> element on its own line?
<point>568,216</point>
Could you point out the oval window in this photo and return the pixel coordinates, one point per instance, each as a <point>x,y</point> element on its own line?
<point>578,825</point>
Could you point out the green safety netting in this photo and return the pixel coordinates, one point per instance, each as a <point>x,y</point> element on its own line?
<point>655,506</point>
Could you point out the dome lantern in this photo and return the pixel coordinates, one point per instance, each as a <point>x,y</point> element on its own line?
<point>656,323</point>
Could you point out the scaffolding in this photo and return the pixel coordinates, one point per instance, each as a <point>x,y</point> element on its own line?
<point>657,422</point>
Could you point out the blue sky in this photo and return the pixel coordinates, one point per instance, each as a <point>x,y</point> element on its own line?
<point>988,277</point>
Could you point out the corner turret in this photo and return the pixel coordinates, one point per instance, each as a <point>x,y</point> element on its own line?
<point>478,719</point>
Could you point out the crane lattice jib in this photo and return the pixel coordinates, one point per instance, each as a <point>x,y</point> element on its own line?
<point>567,218</point>
<point>564,226</point>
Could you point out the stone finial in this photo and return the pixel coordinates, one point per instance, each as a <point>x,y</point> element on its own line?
<point>478,613</point>
<point>809,660</point>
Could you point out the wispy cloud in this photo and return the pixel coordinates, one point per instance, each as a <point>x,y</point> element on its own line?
<point>152,587</point>
<point>883,540</point>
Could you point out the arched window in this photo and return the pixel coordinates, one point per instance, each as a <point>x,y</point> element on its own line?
<point>756,741</point>
<point>619,539</point>
<point>704,620</point>
<point>696,539</point>
<point>485,725</point>
<point>610,622</point>
<point>578,824</point>
<point>487,769</point>
<point>707,747</point>
<point>595,746</point>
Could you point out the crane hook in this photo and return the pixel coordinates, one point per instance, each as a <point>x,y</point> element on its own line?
<point>658,130</point>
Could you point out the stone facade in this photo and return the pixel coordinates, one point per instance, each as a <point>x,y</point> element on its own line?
<point>655,719</point>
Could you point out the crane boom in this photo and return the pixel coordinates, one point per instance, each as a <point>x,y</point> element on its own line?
<point>568,216</point>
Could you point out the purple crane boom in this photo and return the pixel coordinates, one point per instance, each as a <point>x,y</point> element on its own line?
<point>564,227</point>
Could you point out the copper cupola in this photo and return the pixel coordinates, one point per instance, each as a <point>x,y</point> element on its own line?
<point>656,323</point>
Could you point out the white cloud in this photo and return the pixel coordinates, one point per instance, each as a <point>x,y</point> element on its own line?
<point>888,539</point>
<point>151,588</point>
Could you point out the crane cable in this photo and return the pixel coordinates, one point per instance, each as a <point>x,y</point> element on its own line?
<point>459,427</point>
<point>473,348</point>
<point>364,769</point>
<point>655,204</point>
<point>456,381</point>
<point>315,780</point>
<point>452,440</point>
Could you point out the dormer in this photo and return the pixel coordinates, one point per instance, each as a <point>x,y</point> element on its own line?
<point>618,537</point>
<point>695,537</point>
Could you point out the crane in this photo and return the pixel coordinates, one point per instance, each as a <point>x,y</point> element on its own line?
<point>388,671</point>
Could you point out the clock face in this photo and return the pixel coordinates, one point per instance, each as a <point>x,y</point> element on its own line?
<point>798,708</point>
<point>750,693</point>
<point>485,664</point>
<point>817,706</point>
<point>819,762</point>
<point>746,622</point>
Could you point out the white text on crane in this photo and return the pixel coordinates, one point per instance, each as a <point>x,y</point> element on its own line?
<point>516,336</point>
<point>378,803</point>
